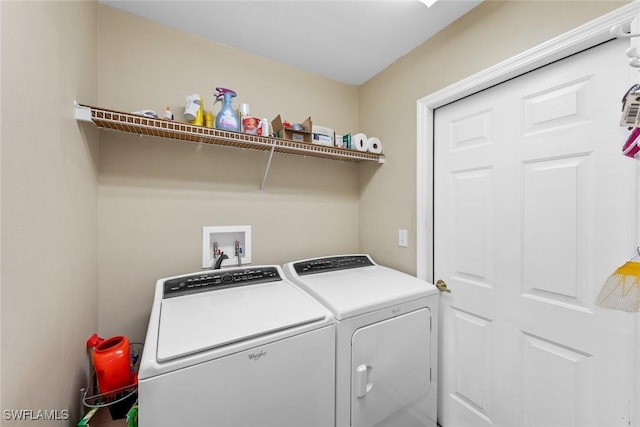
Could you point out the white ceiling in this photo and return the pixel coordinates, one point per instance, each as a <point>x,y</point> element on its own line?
<point>347,41</point>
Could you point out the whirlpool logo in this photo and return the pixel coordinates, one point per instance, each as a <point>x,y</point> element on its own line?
<point>256,355</point>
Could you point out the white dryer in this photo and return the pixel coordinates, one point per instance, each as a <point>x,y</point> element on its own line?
<point>386,351</point>
<point>237,348</point>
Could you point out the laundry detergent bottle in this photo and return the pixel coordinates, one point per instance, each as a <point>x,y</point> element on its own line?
<point>227,118</point>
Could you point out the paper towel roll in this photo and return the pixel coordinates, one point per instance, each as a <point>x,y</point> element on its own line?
<point>360,142</point>
<point>375,145</point>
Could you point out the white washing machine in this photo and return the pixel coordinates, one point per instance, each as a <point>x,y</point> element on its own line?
<point>386,341</point>
<point>237,348</point>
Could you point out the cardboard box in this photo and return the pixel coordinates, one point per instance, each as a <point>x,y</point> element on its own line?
<point>101,417</point>
<point>293,135</point>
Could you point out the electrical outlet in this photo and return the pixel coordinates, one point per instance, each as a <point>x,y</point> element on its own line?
<point>403,238</point>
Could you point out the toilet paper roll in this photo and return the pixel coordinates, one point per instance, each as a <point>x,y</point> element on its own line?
<point>375,145</point>
<point>360,142</point>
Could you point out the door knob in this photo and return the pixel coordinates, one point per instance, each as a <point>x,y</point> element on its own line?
<point>442,286</point>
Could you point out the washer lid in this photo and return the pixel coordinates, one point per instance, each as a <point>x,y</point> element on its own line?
<point>204,321</point>
<point>355,291</point>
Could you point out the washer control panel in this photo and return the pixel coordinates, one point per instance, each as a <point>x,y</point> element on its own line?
<point>218,279</point>
<point>324,265</point>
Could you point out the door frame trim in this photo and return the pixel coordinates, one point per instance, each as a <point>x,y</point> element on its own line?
<point>576,40</point>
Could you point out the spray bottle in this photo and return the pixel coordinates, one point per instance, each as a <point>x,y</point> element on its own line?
<point>227,118</point>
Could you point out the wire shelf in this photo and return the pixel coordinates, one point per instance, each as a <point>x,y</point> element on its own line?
<point>160,128</point>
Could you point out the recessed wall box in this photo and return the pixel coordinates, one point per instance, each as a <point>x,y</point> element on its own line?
<point>223,239</point>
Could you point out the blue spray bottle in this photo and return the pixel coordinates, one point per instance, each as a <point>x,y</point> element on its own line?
<point>227,118</point>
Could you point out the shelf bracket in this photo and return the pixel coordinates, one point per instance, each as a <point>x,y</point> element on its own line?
<point>82,113</point>
<point>266,172</point>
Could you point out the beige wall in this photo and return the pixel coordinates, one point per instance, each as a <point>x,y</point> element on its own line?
<point>155,196</point>
<point>489,34</point>
<point>49,204</point>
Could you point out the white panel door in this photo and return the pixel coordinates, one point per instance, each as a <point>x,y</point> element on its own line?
<point>391,372</point>
<point>534,206</point>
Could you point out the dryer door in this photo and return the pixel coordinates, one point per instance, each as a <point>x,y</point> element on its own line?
<point>390,365</point>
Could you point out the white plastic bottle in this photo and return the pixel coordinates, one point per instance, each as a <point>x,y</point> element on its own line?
<point>264,127</point>
<point>243,111</point>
